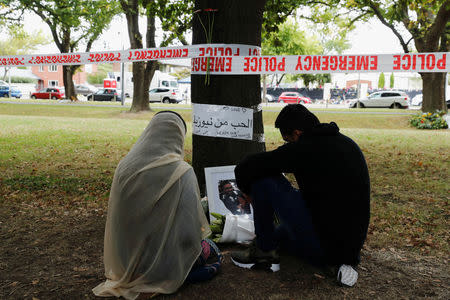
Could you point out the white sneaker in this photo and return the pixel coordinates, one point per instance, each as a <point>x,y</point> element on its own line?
<point>347,275</point>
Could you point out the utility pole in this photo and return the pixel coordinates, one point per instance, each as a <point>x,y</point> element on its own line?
<point>9,82</point>
<point>122,76</point>
<point>358,92</point>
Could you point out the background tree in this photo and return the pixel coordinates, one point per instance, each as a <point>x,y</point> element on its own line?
<point>381,81</point>
<point>235,22</point>
<point>72,23</point>
<point>19,42</point>
<point>424,22</point>
<point>175,18</point>
<point>391,81</point>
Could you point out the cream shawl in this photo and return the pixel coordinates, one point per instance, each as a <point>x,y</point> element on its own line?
<point>155,221</point>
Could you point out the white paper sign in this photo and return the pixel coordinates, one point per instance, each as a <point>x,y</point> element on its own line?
<point>222,121</point>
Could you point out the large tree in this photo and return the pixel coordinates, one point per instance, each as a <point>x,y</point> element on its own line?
<point>235,22</point>
<point>175,18</point>
<point>424,22</point>
<point>72,23</point>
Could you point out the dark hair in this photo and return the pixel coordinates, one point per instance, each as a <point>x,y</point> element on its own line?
<point>170,111</point>
<point>223,183</point>
<point>295,116</point>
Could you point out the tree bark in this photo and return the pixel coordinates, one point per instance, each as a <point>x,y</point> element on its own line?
<point>235,22</point>
<point>68,71</point>
<point>69,87</point>
<point>142,71</point>
<point>433,90</point>
<point>433,84</point>
<point>435,39</point>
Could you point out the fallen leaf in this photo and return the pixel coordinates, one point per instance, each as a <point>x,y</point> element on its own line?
<point>34,282</point>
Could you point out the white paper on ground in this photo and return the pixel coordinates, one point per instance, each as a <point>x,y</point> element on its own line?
<point>237,229</point>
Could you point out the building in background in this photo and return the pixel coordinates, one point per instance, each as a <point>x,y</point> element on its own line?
<point>52,75</point>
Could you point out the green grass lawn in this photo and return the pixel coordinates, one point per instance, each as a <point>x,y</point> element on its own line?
<point>66,156</point>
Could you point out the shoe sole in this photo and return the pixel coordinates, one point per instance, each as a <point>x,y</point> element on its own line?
<point>263,266</point>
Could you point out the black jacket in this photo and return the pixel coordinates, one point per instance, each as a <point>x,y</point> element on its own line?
<point>332,173</point>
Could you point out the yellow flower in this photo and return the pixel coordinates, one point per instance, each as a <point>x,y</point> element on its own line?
<point>429,114</point>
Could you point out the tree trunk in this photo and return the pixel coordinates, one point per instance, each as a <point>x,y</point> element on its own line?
<point>433,89</point>
<point>433,84</point>
<point>69,87</point>
<point>142,71</point>
<point>5,73</point>
<point>235,22</point>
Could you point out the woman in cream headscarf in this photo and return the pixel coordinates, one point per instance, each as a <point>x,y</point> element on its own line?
<point>155,221</point>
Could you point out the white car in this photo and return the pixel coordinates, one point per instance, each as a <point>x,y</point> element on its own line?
<point>269,98</point>
<point>417,100</point>
<point>164,95</point>
<point>389,99</point>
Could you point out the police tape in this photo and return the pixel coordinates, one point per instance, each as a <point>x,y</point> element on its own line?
<point>223,59</point>
<point>131,55</point>
<point>313,64</point>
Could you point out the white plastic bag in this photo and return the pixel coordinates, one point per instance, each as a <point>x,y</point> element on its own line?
<point>237,229</point>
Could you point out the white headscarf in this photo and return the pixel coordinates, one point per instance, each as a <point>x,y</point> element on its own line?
<point>155,220</point>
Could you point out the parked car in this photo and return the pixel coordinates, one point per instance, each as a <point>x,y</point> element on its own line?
<point>84,89</point>
<point>49,93</point>
<point>104,95</point>
<point>417,101</point>
<point>293,97</point>
<point>5,90</point>
<point>389,99</point>
<point>126,94</point>
<point>164,95</point>
<point>269,98</point>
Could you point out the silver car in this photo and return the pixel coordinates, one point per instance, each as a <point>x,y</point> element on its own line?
<point>164,95</point>
<point>389,99</point>
<point>84,89</point>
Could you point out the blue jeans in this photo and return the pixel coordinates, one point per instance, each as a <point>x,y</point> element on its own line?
<point>296,231</point>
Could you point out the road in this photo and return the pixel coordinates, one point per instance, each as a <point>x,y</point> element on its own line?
<point>330,108</point>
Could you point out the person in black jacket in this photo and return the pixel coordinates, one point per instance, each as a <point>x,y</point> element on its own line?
<point>326,219</point>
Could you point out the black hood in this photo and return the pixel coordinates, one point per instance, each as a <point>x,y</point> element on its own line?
<point>324,129</point>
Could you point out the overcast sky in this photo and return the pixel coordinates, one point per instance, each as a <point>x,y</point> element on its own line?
<point>368,38</point>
